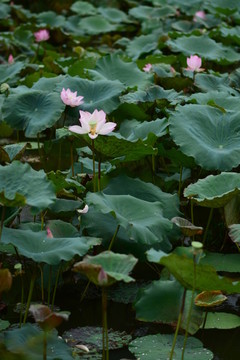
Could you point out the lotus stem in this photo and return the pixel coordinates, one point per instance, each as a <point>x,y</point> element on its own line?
<point>93,159</point>
<point>153,168</point>
<point>105,326</point>
<point>44,345</point>
<point>71,154</point>
<point>192,215</point>
<point>208,224</point>
<point>180,181</point>
<point>49,283</point>
<point>191,306</point>
<point>55,287</point>
<point>42,289</point>
<point>59,156</point>
<point>85,291</point>
<point>22,299</point>
<point>2,221</point>
<point>33,278</point>
<point>99,174</point>
<point>113,238</point>
<point>178,324</point>
<point>205,319</point>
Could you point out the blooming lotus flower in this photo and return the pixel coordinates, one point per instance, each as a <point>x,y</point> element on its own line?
<point>49,233</point>
<point>10,59</point>
<point>41,35</point>
<point>84,210</point>
<point>199,15</point>
<point>194,63</point>
<point>147,67</point>
<point>70,98</point>
<point>93,124</point>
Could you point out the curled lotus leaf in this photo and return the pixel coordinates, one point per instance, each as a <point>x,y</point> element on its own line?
<point>215,190</point>
<point>234,233</point>
<point>46,318</point>
<point>210,298</point>
<point>187,228</point>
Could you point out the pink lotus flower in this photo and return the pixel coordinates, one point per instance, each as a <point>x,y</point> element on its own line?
<point>147,67</point>
<point>194,63</point>
<point>93,124</point>
<point>49,233</point>
<point>70,98</point>
<point>10,59</point>
<point>41,35</point>
<point>84,210</point>
<point>199,15</point>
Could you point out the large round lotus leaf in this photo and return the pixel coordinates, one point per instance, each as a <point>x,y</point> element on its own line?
<point>112,67</point>
<point>215,190</point>
<point>18,184</point>
<point>113,15</point>
<point>91,336</point>
<point>124,185</point>
<point>141,45</point>
<point>83,8</point>
<point>221,99</point>
<point>224,6</point>
<point>152,347</point>
<point>94,25</point>
<point>50,18</point>
<point>40,248</point>
<point>211,82</point>
<point>160,301</point>
<point>205,47</point>
<point>28,340</point>
<point>116,266</point>
<point>8,73</point>
<point>101,94</point>
<point>4,11</point>
<point>207,134</point>
<point>33,111</point>
<point>142,220</point>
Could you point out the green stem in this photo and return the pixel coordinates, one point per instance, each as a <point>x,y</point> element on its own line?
<point>59,156</point>
<point>49,283</point>
<point>113,238</point>
<point>93,159</point>
<point>45,345</point>
<point>99,175</point>
<point>208,224</point>
<point>55,287</point>
<point>205,319</point>
<point>105,326</point>
<point>2,221</point>
<point>33,278</point>
<point>180,182</point>
<point>178,324</point>
<point>153,168</point>
<point>191,306</point>
<point>71,153</point>
<point>192,216</point>
<point>42,289</point>
<point>85,291</point>
<point>22,299</point>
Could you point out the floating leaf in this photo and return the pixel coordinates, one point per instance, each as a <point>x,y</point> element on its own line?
<point>219,320</point>
<point>141,45</point>
<point>215,190</point>
<point>95,25</point>
<point>152,347</point>
<point>208,135</point>
<point>210,298</point>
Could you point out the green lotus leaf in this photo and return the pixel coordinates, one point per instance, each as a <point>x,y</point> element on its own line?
<point>151,13</point>
<point>50,18</point>
<point>113,15</point>
<point>152,94</point>
<point>40,248</point>
<point>222,99</point>
<point>9,73</point>
<point>83,8</point>
<point>220,320</point>
<point>99,94</point>
<point>211,82</point>
<point>160,301</point>
<point>28,340</point>
<point>142,44</point>
<point>224,6</point>
<point>116,146</point>
<point>143,221</point>
<point>14,151</point>
<point>60,229</point>
<point>62,182</point>
<point>152,347</point>
<point>124,185</point>
<point>5,10</point>
<point>65,206</point>
<point>16,187</point>
<point>204,47</point>
<point>36,111</point>
<point>231,33</point>
<point>208,135</point>
<point>215,190</point>
<point>148,131</point>
<point>94,25</point>
<point>23,37</point>
<point>116,266</point>
<point>197,315</point>
<point>112,67</point>
<point>49,83</point>
<point>206,276</point>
